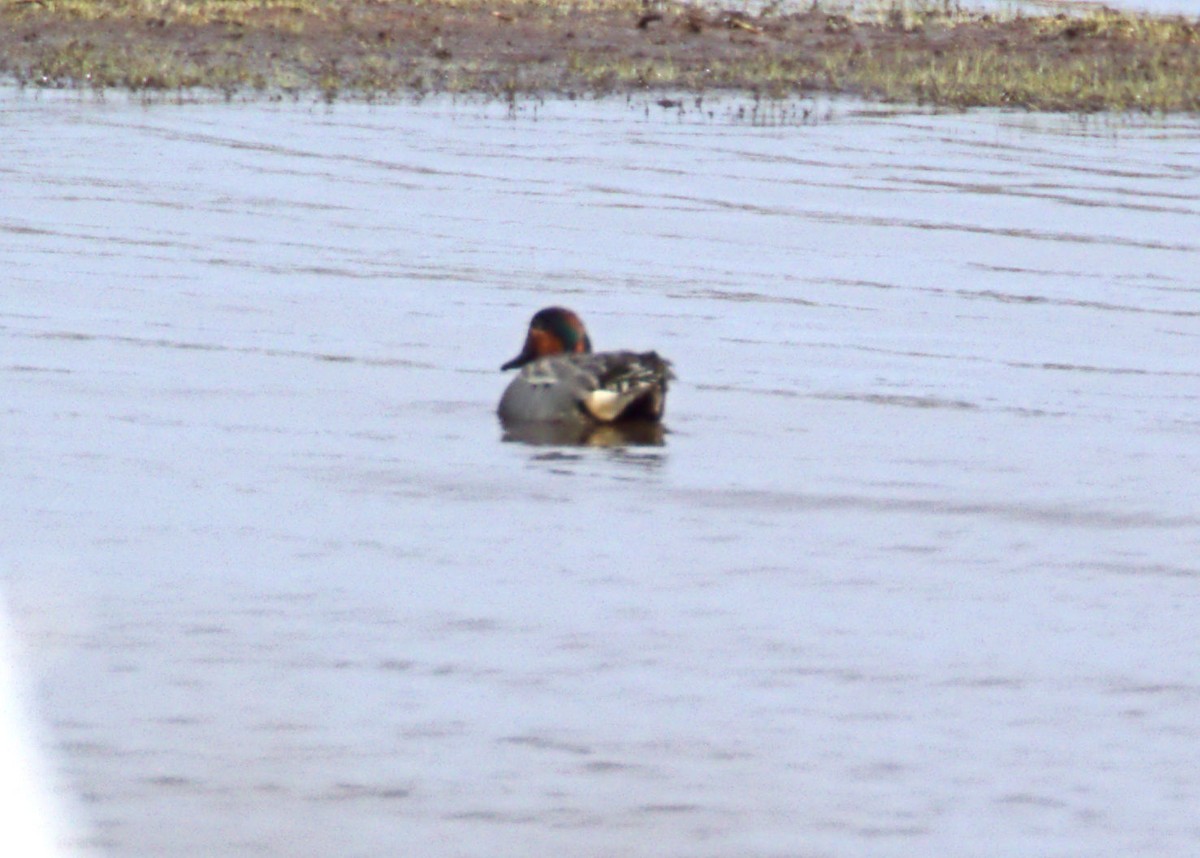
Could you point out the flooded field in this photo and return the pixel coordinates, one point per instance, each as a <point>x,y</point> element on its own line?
<point>913,571</point>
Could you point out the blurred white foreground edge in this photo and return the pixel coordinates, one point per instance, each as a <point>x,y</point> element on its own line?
<point>26,823</point>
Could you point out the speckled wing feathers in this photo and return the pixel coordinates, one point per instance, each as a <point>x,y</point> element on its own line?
<point>622,371</point>
<point>626,385</point>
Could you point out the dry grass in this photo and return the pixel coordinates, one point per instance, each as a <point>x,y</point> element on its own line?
<point>929,52</point>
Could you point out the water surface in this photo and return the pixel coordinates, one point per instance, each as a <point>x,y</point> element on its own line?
<point>914,571</point>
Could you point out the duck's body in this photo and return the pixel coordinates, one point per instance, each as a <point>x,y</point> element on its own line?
<point>605,387</point>
<point>561,381</point>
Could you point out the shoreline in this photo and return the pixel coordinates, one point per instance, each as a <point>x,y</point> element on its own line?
<point>368,50</point>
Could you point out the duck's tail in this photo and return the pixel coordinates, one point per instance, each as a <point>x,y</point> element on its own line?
<point>633,386</point>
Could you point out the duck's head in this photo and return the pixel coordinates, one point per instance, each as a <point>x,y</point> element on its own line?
<point>553,331</point>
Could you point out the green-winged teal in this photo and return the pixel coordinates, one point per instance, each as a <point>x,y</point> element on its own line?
<point>562,381</point>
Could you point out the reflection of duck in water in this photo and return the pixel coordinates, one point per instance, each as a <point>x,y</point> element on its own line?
<point>562,382</point>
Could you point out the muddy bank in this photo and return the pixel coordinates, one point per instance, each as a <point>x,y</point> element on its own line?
<point>367,49</point>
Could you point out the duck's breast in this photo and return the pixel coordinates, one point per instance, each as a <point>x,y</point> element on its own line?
<point>546,390</point>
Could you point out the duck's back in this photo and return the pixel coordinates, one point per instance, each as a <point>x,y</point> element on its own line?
<point>603,387</point>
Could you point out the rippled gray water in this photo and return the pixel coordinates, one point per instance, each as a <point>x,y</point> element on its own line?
<point>915,571</point>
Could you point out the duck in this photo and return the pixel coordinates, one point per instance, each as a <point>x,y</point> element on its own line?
<point>563,381</point>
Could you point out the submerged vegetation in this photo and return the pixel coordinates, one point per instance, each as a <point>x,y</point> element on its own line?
<point>930,53</point>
